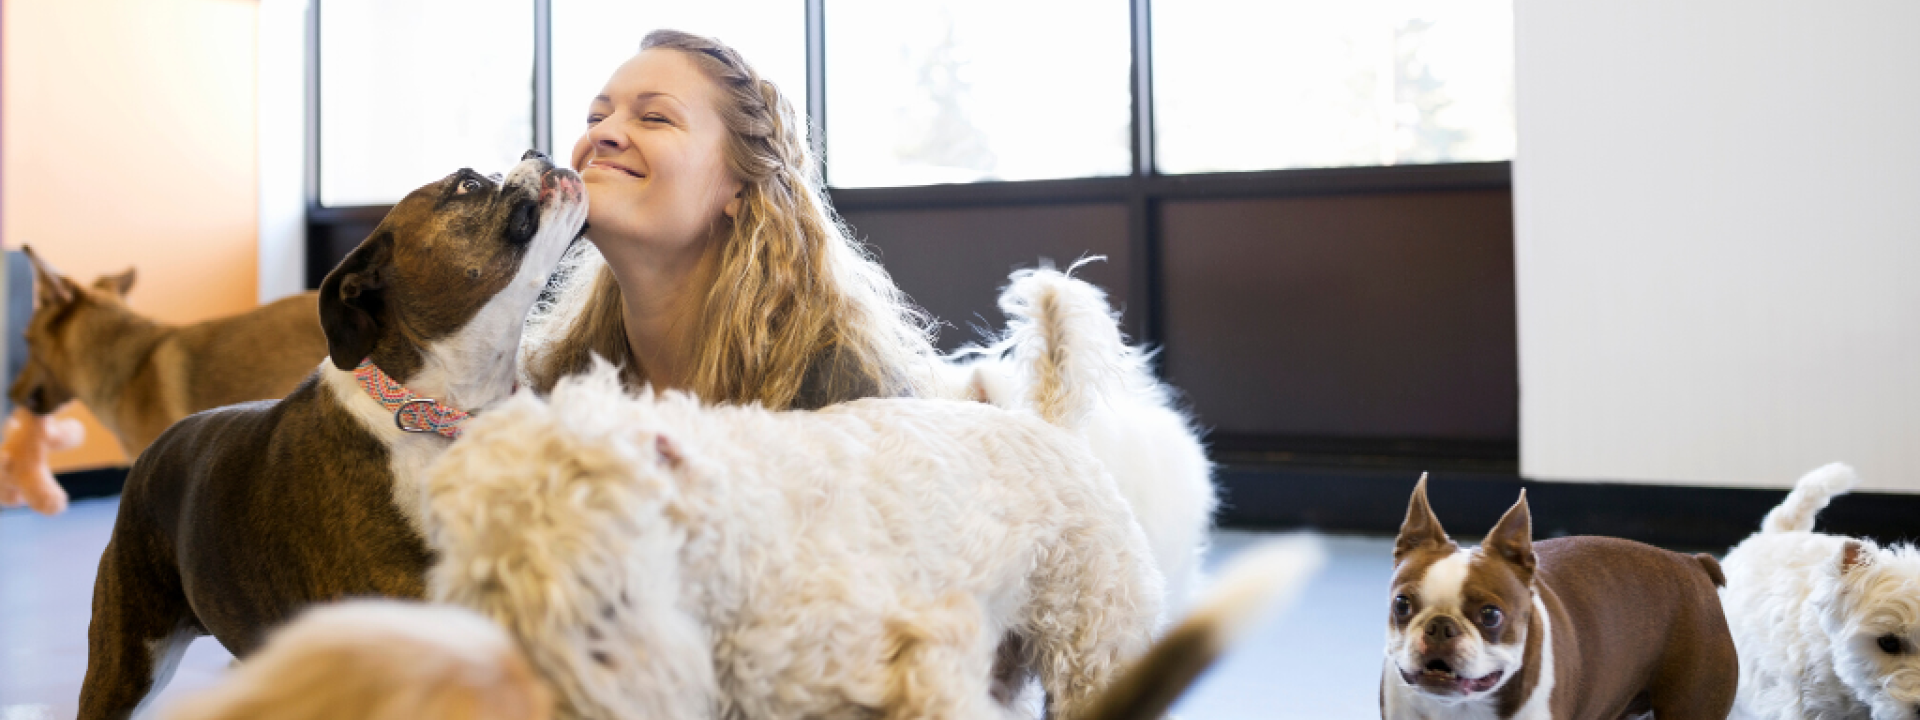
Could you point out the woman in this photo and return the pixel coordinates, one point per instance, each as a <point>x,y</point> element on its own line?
<point>720,268</point>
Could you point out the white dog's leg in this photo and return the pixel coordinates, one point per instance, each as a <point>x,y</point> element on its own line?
<point>1091,613</point>
<point>940,664</point>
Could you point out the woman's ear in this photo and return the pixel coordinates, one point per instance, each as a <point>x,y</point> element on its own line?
<point>733,204</point>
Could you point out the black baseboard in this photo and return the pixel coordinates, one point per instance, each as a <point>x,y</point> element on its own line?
<point>1373,500</point>
<point>83,484</point>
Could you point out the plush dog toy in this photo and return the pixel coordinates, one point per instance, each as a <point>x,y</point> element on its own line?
<point>25,478</point>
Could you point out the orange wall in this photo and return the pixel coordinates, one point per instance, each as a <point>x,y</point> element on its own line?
<point>128,138</point>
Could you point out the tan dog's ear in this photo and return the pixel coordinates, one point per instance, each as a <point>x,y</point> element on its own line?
<point>50,288</point>
<point>1421,529</point>
<point>1512,538</point>
<point>352,299</point>
<point>117,284</point>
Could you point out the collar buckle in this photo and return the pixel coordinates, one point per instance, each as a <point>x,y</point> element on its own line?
<point>425,405</point>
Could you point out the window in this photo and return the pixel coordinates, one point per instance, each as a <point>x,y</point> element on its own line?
<point>938,91</point>
<point>591,38</point>
<point>959,91</point>
<point>1309,83</point>
<point>412,89</point>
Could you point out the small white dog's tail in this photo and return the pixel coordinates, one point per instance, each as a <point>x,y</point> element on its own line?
<point>1062,332</point>
<point>1809,496</point>
<point>1257,584</point>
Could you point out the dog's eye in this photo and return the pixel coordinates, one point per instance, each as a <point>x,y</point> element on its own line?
<point>468,185</point>
<point>1491,616</point>
<point>1890,644</point>
<point>1402,607</point>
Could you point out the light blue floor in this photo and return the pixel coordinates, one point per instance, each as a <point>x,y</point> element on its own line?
<point>1320,661</point>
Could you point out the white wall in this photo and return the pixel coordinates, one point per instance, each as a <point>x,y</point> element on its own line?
<point>283,148</point>
<point>1718,240</point>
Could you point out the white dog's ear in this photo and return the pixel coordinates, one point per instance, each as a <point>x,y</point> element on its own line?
<point>1855,555</point>
<point>1511,539</point>
<point>977,387</point>
<point>669,451</point>
<point>1421,528</point>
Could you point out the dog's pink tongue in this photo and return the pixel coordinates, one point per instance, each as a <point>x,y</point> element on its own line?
<point>1469,685</point>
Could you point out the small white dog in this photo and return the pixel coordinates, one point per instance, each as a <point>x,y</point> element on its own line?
<point>661,559</point>
<point>1827,627</point>
<point>1064,358</point>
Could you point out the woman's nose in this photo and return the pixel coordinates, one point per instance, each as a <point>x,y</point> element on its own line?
<point>604,136</point>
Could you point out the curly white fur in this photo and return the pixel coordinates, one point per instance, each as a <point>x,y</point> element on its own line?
<point>660,559</point>
<point>1063,357</point>
<point>1810,611</point>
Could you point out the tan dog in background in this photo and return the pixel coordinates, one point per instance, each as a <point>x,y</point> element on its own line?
<point>138,375</point>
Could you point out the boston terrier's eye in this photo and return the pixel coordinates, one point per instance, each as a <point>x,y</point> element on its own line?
<point>1491,616</point>
<point>1890,644</point>
<point>1402,607</point>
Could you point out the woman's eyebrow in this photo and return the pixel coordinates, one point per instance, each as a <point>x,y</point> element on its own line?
<point>656,95</point>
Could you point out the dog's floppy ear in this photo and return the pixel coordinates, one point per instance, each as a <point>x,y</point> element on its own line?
<point>50,288</point>
<point>1511,539</point>
<point>352,299</point>
<point>1421,528</point>
<point>119,284</point>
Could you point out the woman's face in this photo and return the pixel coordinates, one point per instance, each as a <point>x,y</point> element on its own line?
<point>653,156</point>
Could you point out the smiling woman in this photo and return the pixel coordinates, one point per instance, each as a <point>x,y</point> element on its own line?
<point>716,264</point>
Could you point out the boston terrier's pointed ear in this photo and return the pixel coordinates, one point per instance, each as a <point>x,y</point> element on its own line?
<point>1512,538</point>
<point>352,299</point>
<point>50,288</point>
<point>1421,528</point>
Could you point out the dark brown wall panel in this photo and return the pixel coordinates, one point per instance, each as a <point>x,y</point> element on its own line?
<point>953,262</point>
<point>1373,316</point>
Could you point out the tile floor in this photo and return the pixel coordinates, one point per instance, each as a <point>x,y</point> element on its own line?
<point>1320,661</point>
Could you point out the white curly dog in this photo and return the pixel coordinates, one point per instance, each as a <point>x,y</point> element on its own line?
<point>1063,357</point>
<point>661,559</point>
<point>1827,627</point>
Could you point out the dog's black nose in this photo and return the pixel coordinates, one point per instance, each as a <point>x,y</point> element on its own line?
<point>533,154</point>
<point>1443,628</point>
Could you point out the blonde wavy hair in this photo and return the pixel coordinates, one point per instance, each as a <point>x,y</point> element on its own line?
<point>795,301</point>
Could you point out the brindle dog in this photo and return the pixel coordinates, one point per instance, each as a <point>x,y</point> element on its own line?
<point>237,518</point>
<point>139,376</point>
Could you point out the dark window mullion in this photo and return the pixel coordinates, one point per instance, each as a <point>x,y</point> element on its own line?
<point>543,76</point>
<point>816,90</point>
<point>1142,44</point>
<point>1143,305</point>
<point>313,107</point>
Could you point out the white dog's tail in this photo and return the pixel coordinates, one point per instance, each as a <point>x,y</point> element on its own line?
<point>1809,496</point>
<point>1065,337</point>
<point>1254,586</point>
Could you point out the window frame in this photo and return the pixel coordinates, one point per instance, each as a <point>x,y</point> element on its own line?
<point>1142,190</point>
